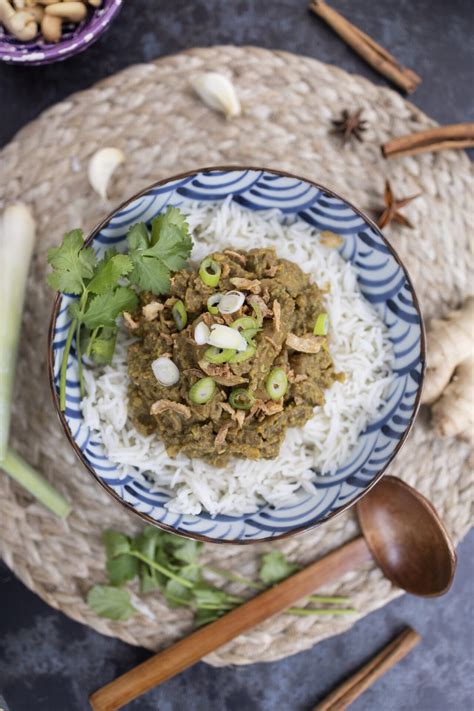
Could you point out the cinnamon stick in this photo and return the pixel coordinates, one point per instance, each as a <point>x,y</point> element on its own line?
<point>375,55</point>
<point>456,135</point>
<point>352,688</point>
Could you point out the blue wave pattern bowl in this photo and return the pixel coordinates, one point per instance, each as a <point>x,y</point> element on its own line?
<point>383,281</point>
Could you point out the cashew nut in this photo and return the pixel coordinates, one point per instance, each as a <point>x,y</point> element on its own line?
<point>19,22</point>
<point>73,11</point>
<point>36,12</point>
<point>51,28</point>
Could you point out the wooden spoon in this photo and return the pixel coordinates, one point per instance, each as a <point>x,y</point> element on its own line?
<point>393,521</point>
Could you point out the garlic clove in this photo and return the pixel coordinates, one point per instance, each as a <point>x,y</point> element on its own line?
<point>101,167</point>
<point>217,92</point>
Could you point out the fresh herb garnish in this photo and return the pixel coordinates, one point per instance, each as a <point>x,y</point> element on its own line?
<point>275,568</point>
<point>104,288</point>
<point>169,563</point>
<point>111,602</point>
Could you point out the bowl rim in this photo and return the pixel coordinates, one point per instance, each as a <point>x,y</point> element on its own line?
<point>52,51</point>
<point>297,530</point>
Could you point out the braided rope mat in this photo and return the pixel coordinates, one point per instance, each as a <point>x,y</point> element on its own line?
<point>151,113</point>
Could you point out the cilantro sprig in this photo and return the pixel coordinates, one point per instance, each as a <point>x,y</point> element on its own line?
<point>107,287</point>
<point>171,564</point>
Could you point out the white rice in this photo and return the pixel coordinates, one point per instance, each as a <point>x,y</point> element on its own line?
<point>359,346</point>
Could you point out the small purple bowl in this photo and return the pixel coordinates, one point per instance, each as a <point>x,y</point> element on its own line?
<point>75,39</point>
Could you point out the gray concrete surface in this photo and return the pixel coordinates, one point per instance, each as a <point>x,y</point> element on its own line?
<point>48,662</point>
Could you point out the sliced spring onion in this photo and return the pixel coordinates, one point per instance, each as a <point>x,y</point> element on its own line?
<point>226,337</point>
<point>201,333</point>
<point>249,352</point>
<point>17,238</point>
<point>241,399</point>
<point>249,328</point>
<point>231,302</point>
<point>33,482</point>
<point>249,333</point>
<point>244,322</point>
<point>202,391</point>
<point>165,371</point>
<point>219,355</point>
<point>257,311</point>
<point>179,314</point>
<point>212,303</point>
<point>276,384</point>
<point>210,272</point>
<point>321,327</point>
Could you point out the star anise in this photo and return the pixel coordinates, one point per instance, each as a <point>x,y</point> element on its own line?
<point>350,125</point>
<point>392,206</point>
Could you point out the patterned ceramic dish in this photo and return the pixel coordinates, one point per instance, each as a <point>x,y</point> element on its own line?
<point>383,281</point>
<point>75,39</point>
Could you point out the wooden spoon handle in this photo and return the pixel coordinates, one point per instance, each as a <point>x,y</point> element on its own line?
<point>352,688</point>
<point>191,649</point>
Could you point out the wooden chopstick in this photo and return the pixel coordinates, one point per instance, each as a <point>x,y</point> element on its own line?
<point>375,55</point>
<point>456,135</point>
<point>188,651</point>
<point>352,688</point>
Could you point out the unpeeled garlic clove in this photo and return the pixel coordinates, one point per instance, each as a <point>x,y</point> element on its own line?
<point>218,92</point>
<point>101,166</point>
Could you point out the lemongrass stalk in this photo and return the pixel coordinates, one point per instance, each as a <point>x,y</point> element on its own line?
<point>33,482</point>
<point>17,238</point>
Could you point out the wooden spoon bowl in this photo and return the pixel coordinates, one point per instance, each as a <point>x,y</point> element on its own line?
<point>407,538</point>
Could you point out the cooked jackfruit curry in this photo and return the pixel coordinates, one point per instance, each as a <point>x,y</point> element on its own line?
<point>233,356</point>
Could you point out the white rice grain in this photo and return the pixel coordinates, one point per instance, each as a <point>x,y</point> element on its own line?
<point>359,346</point>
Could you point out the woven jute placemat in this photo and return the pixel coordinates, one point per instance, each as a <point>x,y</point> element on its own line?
<point>151,113</point>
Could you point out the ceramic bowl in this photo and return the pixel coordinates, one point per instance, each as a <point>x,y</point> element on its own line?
<point>384,282</point>
<point>75,39</point>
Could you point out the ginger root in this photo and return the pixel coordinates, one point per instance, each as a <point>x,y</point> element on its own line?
<point>449,381</point>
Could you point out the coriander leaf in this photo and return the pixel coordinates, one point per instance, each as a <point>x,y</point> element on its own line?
<point>122,569</point>
<point>108,272</point>
<point>204,617</point>
<point>189,551</point>
<point>205,594</point>
<point>110,602</point>
<point>168,249</point>
<point>172,248</point>
<point>104,309</point>
<point>192,572</point>
<point>116,543</point>
<point>149,274</point>
<point>176,595</point>
<point>275,567</point>
<point>74,310</point>
<point>103,346</point>
<point>172,216</point>
<point>72,264</point>
<point>148,579</point>
<point>137,236</point>
<point>148,542</point>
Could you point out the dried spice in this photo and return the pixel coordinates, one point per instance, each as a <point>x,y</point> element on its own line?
<point>350,124</point>
<point>392,207</point>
